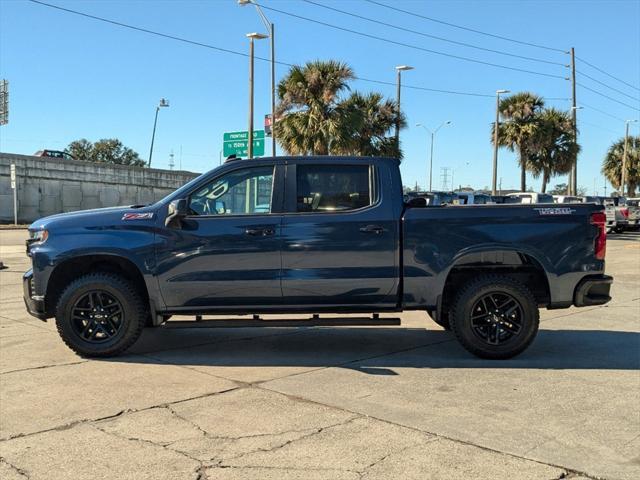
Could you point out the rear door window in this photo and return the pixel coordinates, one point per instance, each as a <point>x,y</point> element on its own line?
<point>333,188</point>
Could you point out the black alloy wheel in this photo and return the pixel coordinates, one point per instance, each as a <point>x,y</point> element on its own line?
<point>97,316</point>
<point>496,318</point>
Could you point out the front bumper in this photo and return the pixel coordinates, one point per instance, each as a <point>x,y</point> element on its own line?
<point>35,304</point>
<point>593,290</point>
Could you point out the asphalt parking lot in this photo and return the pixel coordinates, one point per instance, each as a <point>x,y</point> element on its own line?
<point>325,403</point>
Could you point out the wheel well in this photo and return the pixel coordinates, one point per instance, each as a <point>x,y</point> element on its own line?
<point>74,268</point>
<point>519,266</point>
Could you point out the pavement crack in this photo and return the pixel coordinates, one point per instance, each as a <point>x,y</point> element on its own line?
<point>19,471</point>
<point>42,367</point>
<point>364,471</point>
<point>75,423</point>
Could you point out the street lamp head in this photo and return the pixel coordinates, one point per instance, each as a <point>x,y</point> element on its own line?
<point>163,102</point>
<point>577,108</point>
<point>242,3</point>
<point>257,36</point>
<point>498,92</point>
<point>631,121</point>
<point>448,122</point>
<point>401,68</point>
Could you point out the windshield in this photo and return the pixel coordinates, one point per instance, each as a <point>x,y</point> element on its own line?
<point>181,192</point>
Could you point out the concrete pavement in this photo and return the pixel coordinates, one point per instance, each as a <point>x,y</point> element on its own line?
<point>325,403</point>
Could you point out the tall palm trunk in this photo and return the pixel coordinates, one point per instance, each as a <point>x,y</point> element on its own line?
<point>545,180</point>
<point>523,173</point>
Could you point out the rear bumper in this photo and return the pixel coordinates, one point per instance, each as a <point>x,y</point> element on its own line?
<point>35,304</point>
<point>593,290</point>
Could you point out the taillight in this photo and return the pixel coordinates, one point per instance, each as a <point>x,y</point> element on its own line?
<point>625,212</point>
<point>599,219</point>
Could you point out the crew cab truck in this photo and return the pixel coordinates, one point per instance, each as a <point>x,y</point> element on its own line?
<point>313,235</point>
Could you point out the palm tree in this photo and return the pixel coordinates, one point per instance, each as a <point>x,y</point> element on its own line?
<point>519,131</point>
<point>308,118</point>
<point>371,118</point>
<point>612,164</point>
<point>555,149</point>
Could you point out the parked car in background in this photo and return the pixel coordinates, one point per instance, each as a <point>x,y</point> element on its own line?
<point>503,199</point>
<point>434,198</point>
<point>473,198</point>
<point>633,204</point>
<point>532,197</point>
<point>568,199</point>
<point>622,214</point>
<point>54,154</point>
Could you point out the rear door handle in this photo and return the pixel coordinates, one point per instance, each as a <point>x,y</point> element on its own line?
<point>377,229</point>
<point>260,232</point>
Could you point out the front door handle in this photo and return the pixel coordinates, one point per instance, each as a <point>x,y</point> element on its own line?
<point>377,229</point>
<point>260,232</point>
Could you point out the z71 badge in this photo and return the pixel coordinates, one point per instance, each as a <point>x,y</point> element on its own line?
<point>555,211</point>
<point>138,216</point>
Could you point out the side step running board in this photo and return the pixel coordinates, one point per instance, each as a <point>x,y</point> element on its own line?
<point>315,321</point>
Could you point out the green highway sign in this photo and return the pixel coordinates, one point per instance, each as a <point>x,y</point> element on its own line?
<point>237,143</point>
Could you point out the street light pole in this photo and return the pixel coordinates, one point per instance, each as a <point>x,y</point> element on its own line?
<point>399,70</point>
<point>271,28</point>
<point>433,134</point>
<point>163,103</point>
<point>623,173</point>
<point>494,181</point>
<point>251,37</point>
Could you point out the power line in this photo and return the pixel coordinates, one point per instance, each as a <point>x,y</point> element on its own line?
<point>607,96</point>
<point>407,45</point>
<point>431,19</point>
<point>608,86</point>
<point>600,127</point>
<point>607,73</point>
<point>443,39</point>
<point>243,54</point>
<point>414,87</point>
<point>601,111</point>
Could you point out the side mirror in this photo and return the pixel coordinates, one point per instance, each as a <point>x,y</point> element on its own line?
<point>176,211</point>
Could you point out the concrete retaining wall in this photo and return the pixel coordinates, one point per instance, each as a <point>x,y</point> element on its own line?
<point>49,185</point>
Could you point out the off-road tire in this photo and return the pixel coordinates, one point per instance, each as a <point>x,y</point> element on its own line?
<point>460,314</point>
<point>134,314</point>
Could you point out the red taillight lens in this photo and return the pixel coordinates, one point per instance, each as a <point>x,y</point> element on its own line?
<point>625,212</point>
<point>599,219</point>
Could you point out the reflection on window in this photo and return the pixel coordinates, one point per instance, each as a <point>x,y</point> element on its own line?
<point>332,188</point>
<point>241,192</point>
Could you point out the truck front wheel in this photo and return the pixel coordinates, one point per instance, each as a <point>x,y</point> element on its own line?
<point>494,317</point>
<point>100,315</point>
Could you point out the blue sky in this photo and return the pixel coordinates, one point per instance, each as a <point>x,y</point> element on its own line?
<point>73,77</point>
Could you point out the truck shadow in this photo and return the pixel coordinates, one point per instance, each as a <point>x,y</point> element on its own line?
<point>376,350</point>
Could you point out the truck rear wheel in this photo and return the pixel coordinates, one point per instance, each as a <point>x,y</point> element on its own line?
<point>494,317</point>
<point>100,315</point>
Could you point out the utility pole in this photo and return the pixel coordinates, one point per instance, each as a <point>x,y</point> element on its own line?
<point>573,182</point>
<point>163,103</point>
<point>623,173</point>
<point>495,142</point>
<point>399,70</point>
<point>251,37</point>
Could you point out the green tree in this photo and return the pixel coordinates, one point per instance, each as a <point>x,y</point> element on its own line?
<point>559,189</point>
<point>519,128</point>
<point>313,118</point>
<point>371,122</point>
<point>106,150</point>
<point>554,149</point>
<point>612,164</point>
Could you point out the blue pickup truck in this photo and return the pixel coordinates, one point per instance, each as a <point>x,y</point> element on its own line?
<point>313,235</point>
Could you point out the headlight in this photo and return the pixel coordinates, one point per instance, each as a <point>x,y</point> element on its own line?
<point>38,236</point>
